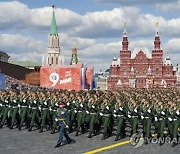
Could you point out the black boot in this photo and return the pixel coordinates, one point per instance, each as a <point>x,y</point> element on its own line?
<point>53,131</point>
<point>77,133</point>
<point>117,138</point>
<point>19,127</point>
<point>90,135</point>
<point>145,140</point>
<point>1,125</point>
<point>57,145</point>
<point>104,137</point>
<point>41,130</point>
<point>11,127</point>
<point>30,129</point>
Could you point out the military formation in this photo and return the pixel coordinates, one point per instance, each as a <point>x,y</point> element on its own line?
<point>95,112</point>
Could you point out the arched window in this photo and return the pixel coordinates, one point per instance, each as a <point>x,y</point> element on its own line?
<point>157,70</point>
<point>125,71</point>
<point>51,60</point>
<point>56,61</point>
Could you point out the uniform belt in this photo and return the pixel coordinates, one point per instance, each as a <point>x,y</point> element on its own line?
<point>34,107</point>
<point>120,115</point>
<point>44,108</point>
<point>160,118</point>
<point>79,111</point>
<point>106,115</point>
<point>62,119</point>
<point>23,106</point>
<point>92,113</point>
<point>134,116</point>
<point>54,110</point>
<point>147,117</point>
<point>14,107</point>
<point>174,119</point>
<point>69,110</point>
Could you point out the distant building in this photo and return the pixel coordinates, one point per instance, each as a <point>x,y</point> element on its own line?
<point>27,64</point>
<point>74,58</point>
<point>53,56</point>
<point>101,80</point>
<point>178,72</point>
<point>4,57</point>
<point>141,69</point>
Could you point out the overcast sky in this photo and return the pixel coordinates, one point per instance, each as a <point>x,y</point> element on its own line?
<point>95,25</point>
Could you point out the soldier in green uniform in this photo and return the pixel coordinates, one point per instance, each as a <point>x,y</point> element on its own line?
<point>160,118</point>
<point>133,115</point>
<point>174,120</point>
<point>119,114</point>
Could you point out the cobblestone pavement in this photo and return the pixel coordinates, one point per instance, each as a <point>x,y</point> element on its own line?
<point>24,142</point>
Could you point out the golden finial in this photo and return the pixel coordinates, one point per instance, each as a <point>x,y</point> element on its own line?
<point>157,26</point>
<point>74,44</point>
<point>125,26</point>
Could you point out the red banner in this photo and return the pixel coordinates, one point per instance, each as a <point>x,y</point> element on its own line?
<point>67,77</point>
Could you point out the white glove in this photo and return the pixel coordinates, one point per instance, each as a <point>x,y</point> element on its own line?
<point>0,104</point>
<point>68,103</point>
<point>177,112</point>
<point>149,110</point>
<point>129,116</point>
<point>163,113</point>
<point>39,108</point>
<point>155,119</point>
<point>115,115</point>
<point>93,106</point>
<point>101,114</point>
<point>81,105</point>
<point>56,119</point>
<point>34,102</point>
<point>19,105</point>
<point>9,106</point>
<point>67,126</point>
<point>74,102</point>
<point>170,119</point>
<point>121,108</point>
<point>56,104</point>
<point>14,101</point>
<point>45,103</point>
<point>87,112</point>
<point>135,110</point>
<point>75,111</point>
<point>50,109</point>
<point>107,107</point>
<point>24,100</point>
<point>114,111</point>
<point>6,101</point>
<point>29,106</point>
<point>142,117</point>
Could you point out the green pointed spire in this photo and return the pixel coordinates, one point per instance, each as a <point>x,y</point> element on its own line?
<point>53,23</point>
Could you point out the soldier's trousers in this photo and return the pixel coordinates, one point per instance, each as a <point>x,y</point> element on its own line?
<point>44,117</point>
<point>147,127</point>
<point>92,122</point>
<point>13,115</point>
<point>62,132</point>
<point>4,115</point>
<point>73,119</point>
<point>134,123</point>
<point>106,124</point>
<point>160,128</point>
<point>23,115</point>
<point>80,120</point>
<point>34,117</point>
<point>54,123</point>
<point>120,122</point>
<point>175,126</point>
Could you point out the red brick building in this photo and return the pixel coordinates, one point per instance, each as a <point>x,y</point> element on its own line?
<point>141,68</point>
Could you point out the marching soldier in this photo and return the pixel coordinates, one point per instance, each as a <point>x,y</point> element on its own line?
<point>63,122</point>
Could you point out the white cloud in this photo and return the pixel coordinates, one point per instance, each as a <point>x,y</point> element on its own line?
<point>134,2</point>
<point>99,24</point>
<point>169,6</point>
